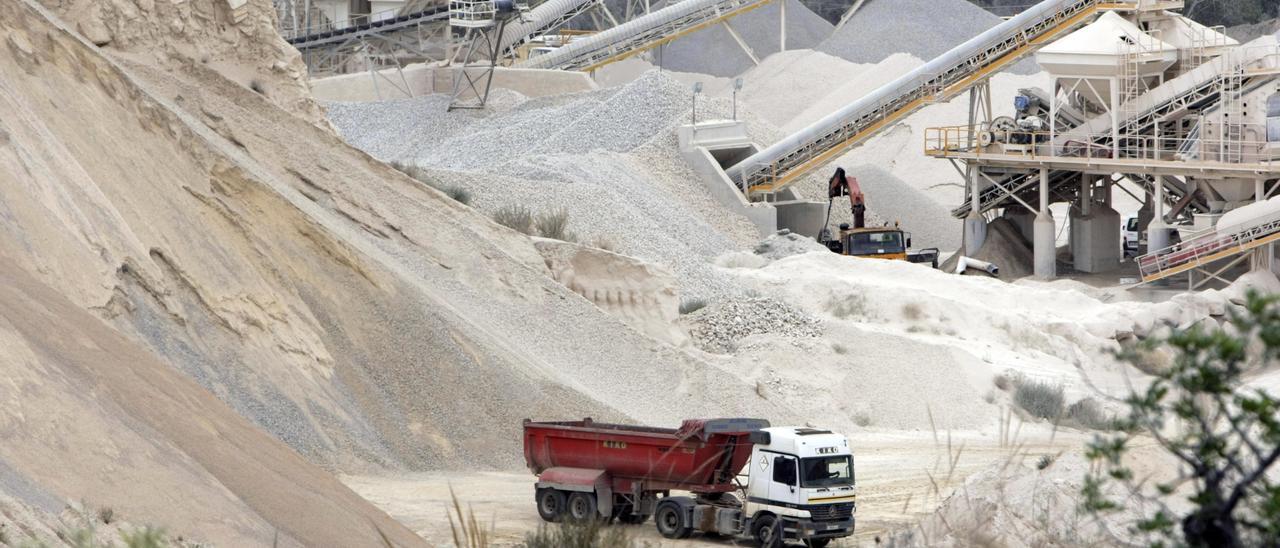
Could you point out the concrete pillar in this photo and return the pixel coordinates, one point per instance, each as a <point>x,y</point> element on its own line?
<point>1045,239</point>
<point>975,226</point>
<point>1086,194</point>
<point>1095,233</point>
<point>1260,190</point>
<point>1095,240</point>
<point>1158,233</point>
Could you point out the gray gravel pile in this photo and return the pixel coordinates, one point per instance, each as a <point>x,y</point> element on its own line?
<point>785,244</point>
<point>714,51</point>
<point>924,28</point>
<point>719,327</point>
<point>606,157</point>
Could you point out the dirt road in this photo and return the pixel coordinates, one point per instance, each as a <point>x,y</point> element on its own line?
<point>900,475</point>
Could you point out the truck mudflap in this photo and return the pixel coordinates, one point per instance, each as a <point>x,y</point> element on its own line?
<point>584,480</point>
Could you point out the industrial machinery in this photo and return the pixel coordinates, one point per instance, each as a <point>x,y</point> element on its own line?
<point>882,242</point>
<point>798,483</point>
<point>859,240</point>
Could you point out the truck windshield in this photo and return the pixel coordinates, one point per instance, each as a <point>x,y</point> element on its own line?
<point>875,243</point>
<point>826,471</point>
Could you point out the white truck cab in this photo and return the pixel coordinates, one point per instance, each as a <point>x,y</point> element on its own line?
<point>804,477</point>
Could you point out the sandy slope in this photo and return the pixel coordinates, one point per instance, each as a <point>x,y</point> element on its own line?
<point>357,315</point>
<point>90,415</point>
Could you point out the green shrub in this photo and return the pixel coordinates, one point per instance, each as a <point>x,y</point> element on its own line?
<point>554,225</point>
<point>1040,399</point>
<point>1087,413</point>
<point>517,218</point>
<point>146,537</point>
<point>589,534</point>
<point>459,194</point>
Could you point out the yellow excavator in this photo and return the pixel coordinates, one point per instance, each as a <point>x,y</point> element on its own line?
<point>884,242</point>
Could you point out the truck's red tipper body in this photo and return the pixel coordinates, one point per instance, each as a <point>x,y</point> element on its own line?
<point>702,456</point>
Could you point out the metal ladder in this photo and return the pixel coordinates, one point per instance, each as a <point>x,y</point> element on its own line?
<point>1231,148</point>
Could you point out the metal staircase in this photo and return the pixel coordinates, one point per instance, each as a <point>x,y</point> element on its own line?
<point>1200,252</point>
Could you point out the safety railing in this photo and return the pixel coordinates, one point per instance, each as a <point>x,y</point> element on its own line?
<point>979,141</point>
<point>326,20</point>
<point>472,13</point>
<point>1203,250</point>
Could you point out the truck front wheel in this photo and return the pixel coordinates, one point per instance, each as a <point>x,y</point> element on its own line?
<point>670,520</point>
<point>551,504</point>
<point>767,531</point>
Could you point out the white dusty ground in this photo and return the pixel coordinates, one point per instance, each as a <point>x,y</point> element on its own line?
<point>896,471</point>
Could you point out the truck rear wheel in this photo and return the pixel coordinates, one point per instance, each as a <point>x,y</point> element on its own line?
<point>671,521</point>
<point>582,506</point>
<point>551,504</point>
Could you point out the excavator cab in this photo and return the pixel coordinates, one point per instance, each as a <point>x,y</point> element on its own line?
<point>876,243</point>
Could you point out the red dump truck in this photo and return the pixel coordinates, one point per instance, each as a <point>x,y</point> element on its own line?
<point>798,484</point>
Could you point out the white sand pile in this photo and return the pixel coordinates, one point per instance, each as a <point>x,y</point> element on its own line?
<point>923,28</point>
<point>607,157</point>
<point>787,83</point>
<point>1015,504</point>
<point>843,92</point>
<point>713,50</point>
<point>902,341</point>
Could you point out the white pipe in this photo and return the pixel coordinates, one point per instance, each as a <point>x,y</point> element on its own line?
<point>536,20</point>
<point>965,263</point>
<point>944,63</point>
<point>615,35</point>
